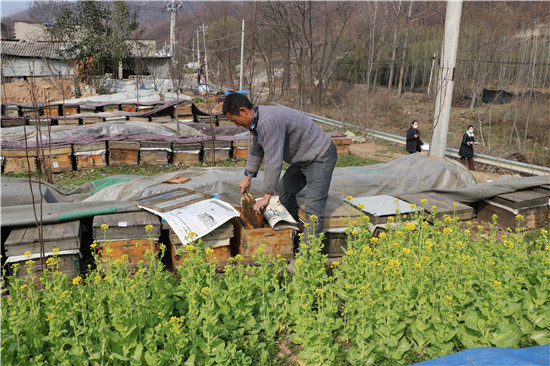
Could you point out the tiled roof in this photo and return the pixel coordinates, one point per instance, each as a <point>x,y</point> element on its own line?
<point>31,49</point>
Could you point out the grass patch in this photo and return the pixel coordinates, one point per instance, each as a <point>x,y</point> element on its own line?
<point>354,160</point>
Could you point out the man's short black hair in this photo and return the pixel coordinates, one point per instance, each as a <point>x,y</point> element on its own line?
<point>234,101</point>
<point>470,126</point>
<point>412,123</point>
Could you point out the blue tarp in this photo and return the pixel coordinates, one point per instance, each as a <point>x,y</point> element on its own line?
<point>485,356</point>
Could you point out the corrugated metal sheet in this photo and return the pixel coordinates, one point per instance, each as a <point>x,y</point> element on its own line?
<point>34,66</point>
<point>31,49</point>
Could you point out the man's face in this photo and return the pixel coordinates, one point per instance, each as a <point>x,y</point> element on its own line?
<point>243,119</point>
<point>415,125</point>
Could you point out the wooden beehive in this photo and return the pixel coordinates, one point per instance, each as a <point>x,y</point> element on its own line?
<point>90,156</point>
<point>12,110</point>
<point>127,235</point>
<point>155,152</point>
<point>51,111</point>
<point>186,154</point>
<point>444,206</point>
<point>63,236</point>
<point>39,121</point>
<point>240,149</point>
<point>89,120</point>
<point>184,110</point>
<point>58,158</point>
<point>68,262</point>
<point>68,121</point>
<point>123,153</point>
<point>13,121</point>
<point>128,107</point>
<point>223,121</point>
<point>247,239</point>
<point>15,160</point>
<point>69,110</point>
<point>219,240</point>
<point>342,145</point>
<point>532,205</point>
<point>220,152</point>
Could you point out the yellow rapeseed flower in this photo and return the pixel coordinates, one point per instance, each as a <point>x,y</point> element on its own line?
<point>23,287</point>
<point>382,235</point>
<point>190,247</point>
<point>104,227</point>
<point>77,280</point>
<point>27,254</point>
<point>455,205</point>
<point>423,201</point>
<point>361,206</point>
<point>319,292</point>
<point>544,231</point>
<point>205,290</point>
<point>349,252</point>
<point>30,262</point>
<point>149,228</point>
<point>434,207</point>
<point>313,218</point>
<point>349,198</point>
<point>304,246</point>
<point>93,246</point>
<point>55,250</point>
<point>299,262</point>
<point>447,230</point>
<point>520,217</point>
<point>355,232</point>
<point>209,251</point>
<point>374,240</point>
<point>409,226</point>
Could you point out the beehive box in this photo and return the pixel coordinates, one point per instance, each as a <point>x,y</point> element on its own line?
<point>13,121</point>
<point>58,158</point>
<point>50,111</point>
<point>381,207</point>
<point>220,152</point>
<point>247,239</point>
<point>240,149</point>
<point>223,121</point>
<point>155,153</point>
<point>68,262</point>
<point>219,240</point>
<point>186,154</point>
<point>90,156</point>
<point>90,120</point>
<point>439,206</point>
<point>126,235</point>
<point>161,119</point>
<point>63,236</point>
<point>184,110</point>
<point>128,107</point>
<point>39,121</point>
<point>69,110</point>
<point>12,111</point>
<point>15,160</point>
<point>342,145</point>
<point>532,205</point>
<point>67,121</point>
<point>123,153</point>
<point>30,111</point>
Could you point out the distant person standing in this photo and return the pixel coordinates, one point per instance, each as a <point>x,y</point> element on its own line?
<point>413,138</point>
<point>466,151</point>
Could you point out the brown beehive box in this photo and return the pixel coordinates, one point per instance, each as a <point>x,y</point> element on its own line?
<point>123,153</point>
<point>155,152</point>
<point>12,111</point>
<point>91,120</point>
<point>532,205</point>
<point>13,122</point>
<point>184,110</point>
<point>51,111</point>
<point>58,158</point>
<point>342,145</point>
<point>221,151</point>
<point>126,235</point>
<point>444,206</point>
<point>219,240</point>
<point>67,111</point>
<point>68,121</point>
<point>247,239</point>
<point>68,262</point>
<point>186,154</point>
<point>129,107</point>
<point>240,149</point>
<point>90,156</point>
<point>15,160</point>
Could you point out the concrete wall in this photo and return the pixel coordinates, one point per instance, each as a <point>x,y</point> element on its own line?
<point>25,67</point>
<point>30,31</point>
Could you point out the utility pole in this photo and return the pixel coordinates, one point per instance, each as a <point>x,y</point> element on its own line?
<point>172,7</point>
<point>242,59</point>
<point>204,28</point>
<point>446,79</point>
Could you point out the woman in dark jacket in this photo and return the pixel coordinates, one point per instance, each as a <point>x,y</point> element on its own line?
<point>413,138</point>
<point>466,151</point>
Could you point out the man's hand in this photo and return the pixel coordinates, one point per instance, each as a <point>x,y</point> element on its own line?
<point>260,204</point>
<point>245,184</point>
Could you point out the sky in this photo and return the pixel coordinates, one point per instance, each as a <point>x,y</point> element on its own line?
<point>10,6</point>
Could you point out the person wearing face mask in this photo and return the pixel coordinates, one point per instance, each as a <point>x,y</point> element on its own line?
<point>413,138</point>
<point>466,151</point>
